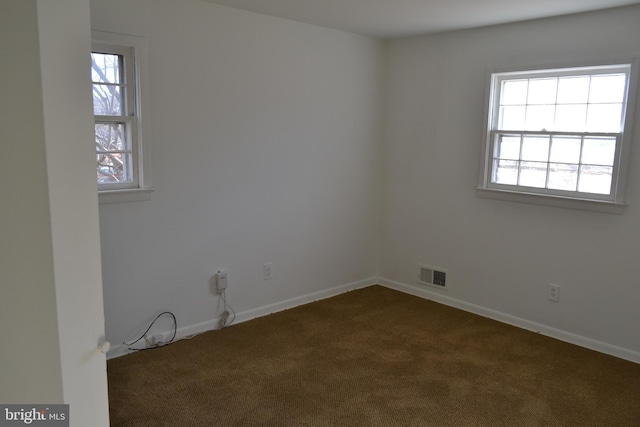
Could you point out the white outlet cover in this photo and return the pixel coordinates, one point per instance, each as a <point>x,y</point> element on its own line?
<point>267,271</point>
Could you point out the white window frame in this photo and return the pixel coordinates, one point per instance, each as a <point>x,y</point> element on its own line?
<point>613,202</point>
<point>134,51</point>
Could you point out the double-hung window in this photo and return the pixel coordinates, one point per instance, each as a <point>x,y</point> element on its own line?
<point>115,75</point>
<point>559,132</point>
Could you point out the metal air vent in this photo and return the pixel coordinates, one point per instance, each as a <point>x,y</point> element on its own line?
<point>432,276</point>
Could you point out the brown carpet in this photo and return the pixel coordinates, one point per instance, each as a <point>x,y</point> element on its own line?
<point>373,357</point>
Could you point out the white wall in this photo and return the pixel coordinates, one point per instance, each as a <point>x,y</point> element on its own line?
<point>65,42</point>
<point>30,354</point>
<point>503,255</point>
<point>265,135</point>
<point>51,308</point>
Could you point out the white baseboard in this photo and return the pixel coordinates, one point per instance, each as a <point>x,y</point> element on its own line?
<point>304,299</point>
<point>209,325</point>
<point>549,331</point>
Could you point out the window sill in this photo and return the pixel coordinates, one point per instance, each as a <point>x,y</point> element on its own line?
<point>124,196</point>
<point>553,201</point>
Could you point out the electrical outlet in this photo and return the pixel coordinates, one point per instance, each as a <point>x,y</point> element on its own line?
<point>553,293</point>
<point>157,339</point>
<point>267,270</point>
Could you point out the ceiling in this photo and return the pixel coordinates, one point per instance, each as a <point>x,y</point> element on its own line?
<point>402,18</point>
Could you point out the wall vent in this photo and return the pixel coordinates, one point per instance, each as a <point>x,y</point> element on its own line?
<point>432,276</point>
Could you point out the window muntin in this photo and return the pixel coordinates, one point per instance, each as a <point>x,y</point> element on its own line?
<point>116,118</point>
<point>556,162</point>
<point>557,132</point>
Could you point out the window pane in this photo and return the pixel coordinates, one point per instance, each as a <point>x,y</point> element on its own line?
<point>542,91</point>
<point>595,179</point>
<point>563,177</point>
<point>570,117</point>
<point>535,148</point>
<point>514,92</point>
<point>511,117</point>
<point>540,117</point>
<point>573,90</point>
<point>505,172</point>
<point>557,131</point>
<point>604,117</point>
<point>599,151</point>
<point>609,88</point>
<point>106,68</point>
<point>107,100</point>
<point>507,147</point>
<point>111,137</point>
<point>565,149</point>
<point>114,167</point>
<point>533,174</point>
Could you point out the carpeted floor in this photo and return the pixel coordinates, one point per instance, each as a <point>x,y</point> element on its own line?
<point>372,357</point>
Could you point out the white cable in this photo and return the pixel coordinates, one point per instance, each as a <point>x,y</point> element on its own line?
<point>224,320</point>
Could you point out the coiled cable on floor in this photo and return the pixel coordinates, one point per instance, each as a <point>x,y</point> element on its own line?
<point>144,334</point>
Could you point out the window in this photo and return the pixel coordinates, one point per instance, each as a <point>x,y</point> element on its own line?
<point>558,132</point>
<point>116,63</point>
